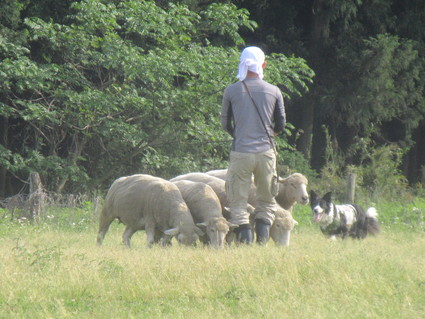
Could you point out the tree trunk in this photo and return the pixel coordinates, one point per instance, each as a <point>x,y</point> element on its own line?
<point>351,187</point>
<point>36,197</point>
<point>4,142</point>
<point>414,161</point>
<point>318,35</point>
<point>305,140</point>
<point>75,153</point>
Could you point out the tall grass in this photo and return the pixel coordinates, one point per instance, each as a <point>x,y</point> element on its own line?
<point>53,271</point>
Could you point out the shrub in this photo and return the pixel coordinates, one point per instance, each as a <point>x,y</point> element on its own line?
<point>380,177</point>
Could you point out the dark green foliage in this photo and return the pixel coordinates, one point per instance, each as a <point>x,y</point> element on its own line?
<point>368,57</point>
<point>114,88</point>
<point>96,89</point>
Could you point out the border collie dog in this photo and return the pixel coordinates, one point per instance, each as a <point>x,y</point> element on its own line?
<point>343,220</point>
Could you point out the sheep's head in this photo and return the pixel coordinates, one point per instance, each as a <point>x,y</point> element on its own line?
<point>185,234</point>
<point>216,230</point>
<point>293,189</point>
<point>282,226</point>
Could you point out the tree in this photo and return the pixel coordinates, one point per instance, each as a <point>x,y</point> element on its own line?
<point>374,90</point>
<point>368,57</point>
<point>124,87</point>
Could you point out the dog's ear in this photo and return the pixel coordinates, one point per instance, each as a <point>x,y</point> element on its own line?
<point>328,197</point>
<point>313,195</point>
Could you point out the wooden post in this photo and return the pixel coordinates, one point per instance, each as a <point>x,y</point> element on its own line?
<point>351,187</point>
<point>36,197</point>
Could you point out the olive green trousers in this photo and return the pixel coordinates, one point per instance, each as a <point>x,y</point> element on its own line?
<point>252,176</point>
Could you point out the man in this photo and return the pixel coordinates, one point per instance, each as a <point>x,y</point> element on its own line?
<point>253,152</point>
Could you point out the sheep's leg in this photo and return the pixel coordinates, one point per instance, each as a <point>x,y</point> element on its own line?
<point>126,236</point>
<point>161,238</point>
<point>230,238</point>
<point>150,234</point>
<point>104,224</point>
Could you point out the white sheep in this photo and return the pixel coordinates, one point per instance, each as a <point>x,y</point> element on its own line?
<point>206,211</point>
<point>292,190</point>
<point>217,184</point>
<point>219,187</point>
<point>280,231</point>
<point>151,203</point>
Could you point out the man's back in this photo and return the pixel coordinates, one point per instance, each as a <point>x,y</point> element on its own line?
<point>249,133</point>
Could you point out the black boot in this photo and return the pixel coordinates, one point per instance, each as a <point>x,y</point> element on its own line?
<point>244,234</point>
<point>262,230</point>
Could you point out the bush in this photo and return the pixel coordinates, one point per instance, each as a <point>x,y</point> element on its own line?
<point>292,161</point>
<point>380,177</point>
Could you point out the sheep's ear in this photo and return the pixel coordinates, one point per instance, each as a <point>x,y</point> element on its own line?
<point>172,231</point>
<point>202,226</point>
<point>199,232</point>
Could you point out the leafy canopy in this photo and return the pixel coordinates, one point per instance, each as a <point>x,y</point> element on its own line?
<point>124,87</point>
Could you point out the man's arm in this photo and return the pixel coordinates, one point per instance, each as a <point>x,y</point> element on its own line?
<point>226,115</point>
<point>279,116</point>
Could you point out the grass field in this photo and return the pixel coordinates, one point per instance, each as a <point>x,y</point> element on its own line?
<point>56,271</point>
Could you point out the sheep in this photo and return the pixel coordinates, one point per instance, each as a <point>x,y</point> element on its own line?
<point>217,184</point>
<point>219,187</point>
<point>292,190</point>
<point>280,231</point>
<point>151,203</point>
<point>219,173</point>
<point>205,208</point>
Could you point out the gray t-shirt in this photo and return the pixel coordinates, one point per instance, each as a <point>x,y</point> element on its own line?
<point>241,120</point>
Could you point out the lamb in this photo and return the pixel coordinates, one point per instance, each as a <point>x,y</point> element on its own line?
<point>292,189</point>
<point>151,203</point>
<point>205,208</point>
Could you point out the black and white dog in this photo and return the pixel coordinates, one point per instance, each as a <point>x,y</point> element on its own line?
<point>343,220</point>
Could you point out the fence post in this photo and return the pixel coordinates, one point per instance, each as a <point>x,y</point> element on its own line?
<point>351,187</point>
<point>36,197</point>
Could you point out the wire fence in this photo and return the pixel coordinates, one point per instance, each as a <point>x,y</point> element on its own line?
<point>39,205</point>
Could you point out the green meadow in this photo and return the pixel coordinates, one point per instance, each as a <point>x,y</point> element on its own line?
<point>55,270</point>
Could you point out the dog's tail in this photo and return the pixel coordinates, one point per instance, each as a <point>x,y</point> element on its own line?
<point>372,222</point>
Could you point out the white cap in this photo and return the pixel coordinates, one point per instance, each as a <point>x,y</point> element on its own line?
<point>252,59</point>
